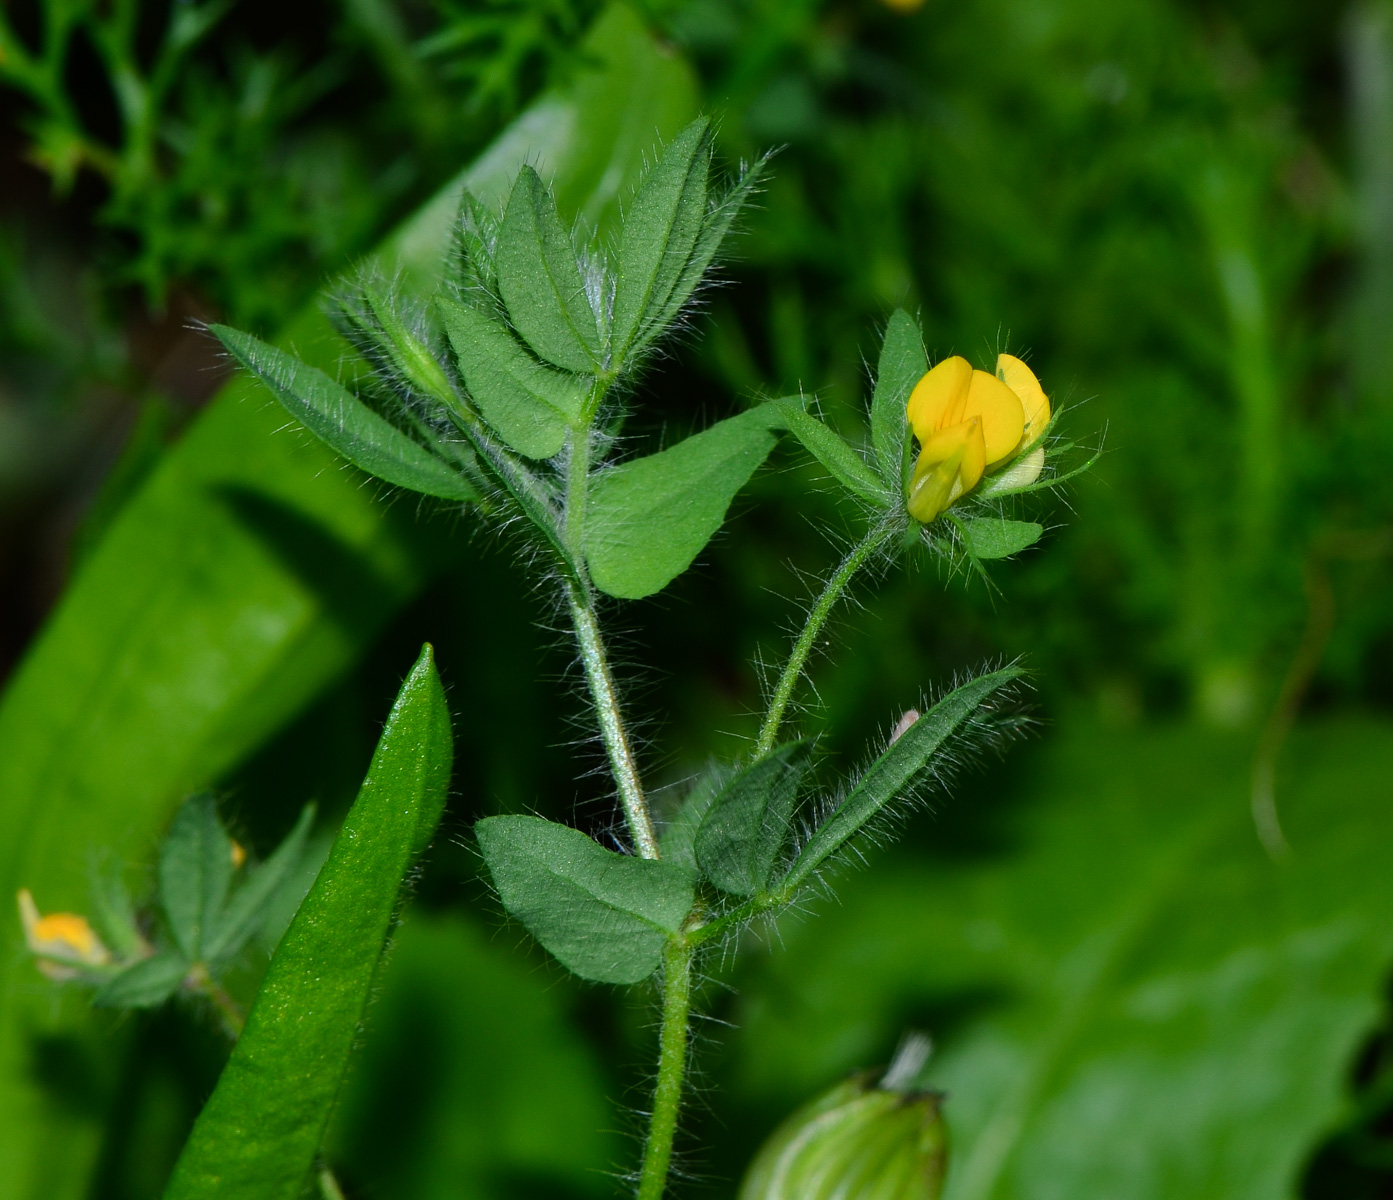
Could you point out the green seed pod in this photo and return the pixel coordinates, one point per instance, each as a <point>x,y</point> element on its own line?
<point>859,1141</point>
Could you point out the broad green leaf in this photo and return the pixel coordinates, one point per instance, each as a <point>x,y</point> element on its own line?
<point>846,466</point>
<point>245,911</point>
<point>528,404</point>
<point>248,572</point>
<point>902,364</point>
<point>896,773</point>
<point>540,282</point>
<point>1127,997</point>
<point>990,537</point>
<point>259,1133</point>
<point>649,518</point>
<point>602,915</point>
<point>145,984</point>
<point>195,871</point>
<point>746,828</point>
<point>659,234</point>
<point>443,1099</point>
<point>343,422</point>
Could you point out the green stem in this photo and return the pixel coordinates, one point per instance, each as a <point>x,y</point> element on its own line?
<point>616,739</point>
<point>817,617</point>
<point>672,1067</point>
<point>329,1187</point>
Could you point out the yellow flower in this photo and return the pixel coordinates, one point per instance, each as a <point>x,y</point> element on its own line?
<point>63,942</point>
<point>967,422</point>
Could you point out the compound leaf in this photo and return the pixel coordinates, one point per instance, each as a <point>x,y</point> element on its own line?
<point>604,916</point>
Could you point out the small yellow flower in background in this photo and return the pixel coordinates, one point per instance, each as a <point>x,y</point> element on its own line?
<point>63,942</point>
<point>967,422</point>
<point>239,854</point>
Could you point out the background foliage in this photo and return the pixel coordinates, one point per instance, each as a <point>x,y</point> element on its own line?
<point>1183,211</point>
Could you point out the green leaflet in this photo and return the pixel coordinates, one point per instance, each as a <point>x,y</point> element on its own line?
<point>708,244</point>
<point>195,872</point>
<point>902,365</point>
<point>1142,1003</point>
<point>677,838</point>
<point>246,910</point>
<point>257,1137</point>
<point>145,984</point>
<point>540,281</point>
<point>660,232</point>
<point>246,573</point>
<point>530,405</point>
<point>896,771</point>
<point>343,422</point>
<point>989,537</point>
<point>604,916</point>
<point>846,466</point>
<point>744,830</point>
<point>649,518</point>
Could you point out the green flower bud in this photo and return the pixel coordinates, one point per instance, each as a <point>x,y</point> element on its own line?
<point>860,1141</point>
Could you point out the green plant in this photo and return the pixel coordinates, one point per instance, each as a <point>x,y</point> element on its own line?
<point>510,389</point>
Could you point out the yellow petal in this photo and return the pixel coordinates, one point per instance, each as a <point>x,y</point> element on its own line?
<point>65,936</point>
<point>951,463</point>
<point>1021,380</point>
<point>938,397</point>
<point>1001,413</point>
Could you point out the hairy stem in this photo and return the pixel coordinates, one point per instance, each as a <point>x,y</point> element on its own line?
<point>672,1067</point>
<point>822,608</point>
<point>616,739</point>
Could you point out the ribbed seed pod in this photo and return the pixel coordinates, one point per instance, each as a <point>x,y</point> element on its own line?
<point>859,1141</point>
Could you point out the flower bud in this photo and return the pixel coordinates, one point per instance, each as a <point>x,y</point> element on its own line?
<point>63,943</point>
<point>859,1141</point>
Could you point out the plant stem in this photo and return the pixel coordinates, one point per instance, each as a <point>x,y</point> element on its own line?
<point>621,756</point>
<point>329,1187</point>
<point>672,1067</point>
<point>817,617</point>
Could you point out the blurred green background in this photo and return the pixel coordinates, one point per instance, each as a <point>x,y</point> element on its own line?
<point>1183,213</point>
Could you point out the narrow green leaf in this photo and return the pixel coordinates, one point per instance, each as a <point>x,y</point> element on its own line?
<point>145,984</point>
<point>476,239</point>
<point>528,404</point>
<point>896,771</point>
<point>660,232</point>
<point>708,244</point>
<point>649,518</point>
<point>195,871</point>
<point>604,916</point>
<point>902,364</point>
<point>257,1137</point>
<point>846,466</point>
<point>739,842</point>
<point>113,910</point>
<point>989,537</point>
<point>244,912</point>
<point>338,418</point>
<point>540,281</point>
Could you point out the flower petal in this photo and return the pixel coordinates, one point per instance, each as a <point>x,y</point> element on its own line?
<point>1021,380</point>
<point>1001,412</point>
<point>938,396</point>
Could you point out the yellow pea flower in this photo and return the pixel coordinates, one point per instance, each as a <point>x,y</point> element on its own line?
<point>62,942</point>
<point>966,422</point>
